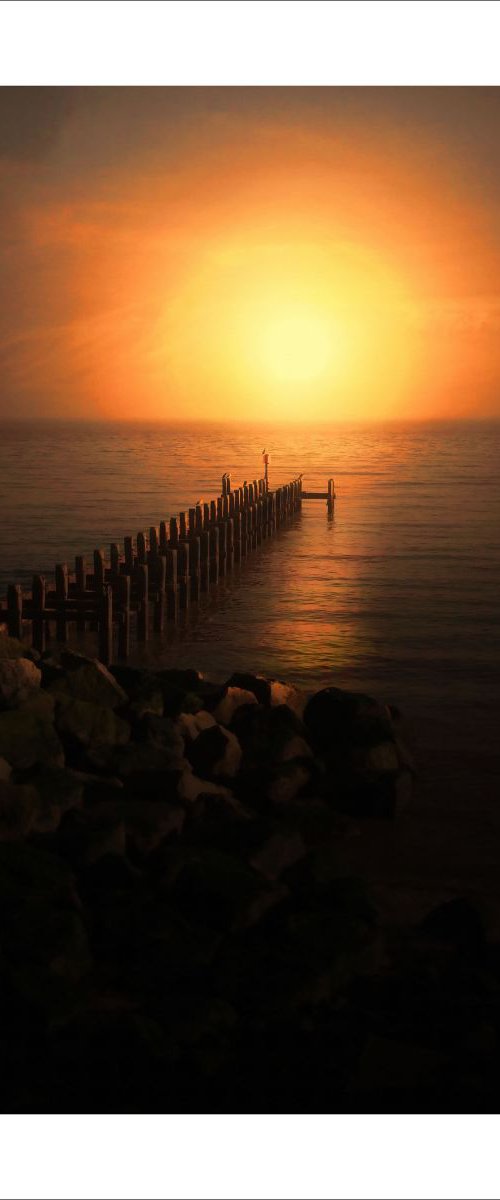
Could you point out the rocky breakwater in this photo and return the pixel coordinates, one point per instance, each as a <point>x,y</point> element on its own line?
<point>178,930</point>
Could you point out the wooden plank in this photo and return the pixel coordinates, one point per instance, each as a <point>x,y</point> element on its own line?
<point>142,556</point>
<point>114,559</point>
<point>198,523</point>
<point>183,531</point>
<point>315,495</point>
<point>206,516</point>
<point>15,610</point>
<point>154,544</point>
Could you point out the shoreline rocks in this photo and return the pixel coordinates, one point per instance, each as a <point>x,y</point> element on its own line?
<point>180,931</point>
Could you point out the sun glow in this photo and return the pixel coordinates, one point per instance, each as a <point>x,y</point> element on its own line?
<point>295,346</point>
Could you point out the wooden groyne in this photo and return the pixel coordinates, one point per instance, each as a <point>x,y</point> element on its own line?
<point>156,575</point>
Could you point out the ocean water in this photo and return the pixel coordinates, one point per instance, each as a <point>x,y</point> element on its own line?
<point>401,588</point>
<point>397,595</point>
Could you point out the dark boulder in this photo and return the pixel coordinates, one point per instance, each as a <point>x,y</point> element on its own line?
<point>260,687</point>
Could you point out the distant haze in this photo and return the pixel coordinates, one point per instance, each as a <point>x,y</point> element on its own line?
<point>250,252</point>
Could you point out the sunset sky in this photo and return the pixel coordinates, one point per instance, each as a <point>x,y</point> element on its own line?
<point>250,252</point>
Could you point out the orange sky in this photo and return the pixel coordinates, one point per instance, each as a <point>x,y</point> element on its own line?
<point>252,252</point>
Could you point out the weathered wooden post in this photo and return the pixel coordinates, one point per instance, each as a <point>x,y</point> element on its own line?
<point>163,537</point>
<point>232,504</point>
<point>128,550</point>
<point>195,567</point>
<point>172,589</point>
<point>183,574</point>
<point>62,588</point>
<point>198,523</point>
<point>229,523</point>
<point>38,621</point>
<point>214,554</point>
<point>206,516</point>
<point>142,582</point>
<point>142,556</point>
<point>183,533</point>
<point>15,611</point>
<point>174,534</point>
<point>114,560</point>
<point>244,533</point>
<point>237,536</point>
<point>124,616</point>
<point>154,544</point>
<point>331,496</point>
<point>213,512</point>
<point>205,560</point>
<point>160,607</point>
<point>80,587</point>
<point>106,625</point>
<point>222,531</point>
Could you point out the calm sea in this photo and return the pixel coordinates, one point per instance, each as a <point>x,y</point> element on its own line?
<point>398,594</point>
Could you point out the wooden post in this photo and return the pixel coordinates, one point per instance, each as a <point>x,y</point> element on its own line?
<point>124,616</point>
<point>99,569</point>
<point>198,522</point>
<point>114,560</point>
<point>213,512</point>
<point>15,611</point>
<point>237,500</point>
<point>38,622</point>
<point>237,536</point>
<point>183,574</point>
<point>128,549</point>
<point>81,586</point>
<point>172,593</point>
<point>61,574</point>
<point>142,580</point>
<point>160,568</point>
<point>206,516</point>
<point>331,495</point>
<point>192,522</point>
<point>106,626</point>
<point>163,537</point>
<point>229,523</point>
<point>258,521</point>
<point>214,555</point>
<point>244,533</point>
<point>154,545</point>
<point>195,567</point>
<point>142,557</point>
<point>182,527</point>
<point>222,531</point>
<point>174,533</point>
<point>205,560</point>
<point>245,495</point>
<point>232,502</point>
<point>220,508</point>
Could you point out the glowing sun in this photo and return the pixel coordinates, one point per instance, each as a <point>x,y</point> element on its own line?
<point>295,346</point>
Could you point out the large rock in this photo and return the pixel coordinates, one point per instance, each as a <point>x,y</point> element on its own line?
<point>27,734</point>
<point>247,682</point>
<point>330,715</point>
<point>19,680</point>
<point>90,681</point>
<point>191,787</point>
<point>286,693</point>
<point>215,754</point>
<point>265,734</point>
<point>163,733</point>
<point>283,849</point>
<point>192,724</point>
<point>18,811</point>
<point>218,890</point>
<point>11,647</point>
<point>5,770</point>
<point>232,699</point>
<point>149,823</point>
<point>59,790</point>
<point>90,724</point>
